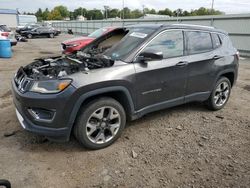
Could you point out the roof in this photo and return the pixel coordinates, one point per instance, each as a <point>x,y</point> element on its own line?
<point>178,26</point>
<point>195,27</point>
<point>8,11</point>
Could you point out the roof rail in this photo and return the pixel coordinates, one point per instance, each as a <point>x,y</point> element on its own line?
<point>194,25</point>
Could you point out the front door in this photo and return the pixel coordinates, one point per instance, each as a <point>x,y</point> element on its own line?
<point>162,83</point>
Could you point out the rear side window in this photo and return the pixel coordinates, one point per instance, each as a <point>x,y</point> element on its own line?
<point>198,42</point>
<point>170,43</point>
<point>216,40</point>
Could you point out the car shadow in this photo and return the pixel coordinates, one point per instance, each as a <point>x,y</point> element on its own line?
<point>35,143</point>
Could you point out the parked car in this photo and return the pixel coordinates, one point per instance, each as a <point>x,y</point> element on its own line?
<point>39,32</point>
<point>73,45</point>
<point>121,76</point>
<point>27,27</point>
<point>56,31</point>
<point>6,33</point>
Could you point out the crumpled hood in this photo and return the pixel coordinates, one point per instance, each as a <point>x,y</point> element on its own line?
<point>78,39</point>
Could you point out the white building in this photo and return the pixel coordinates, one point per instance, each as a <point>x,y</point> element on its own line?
<point>26,19</point>
<point>154,16</point>
<point>80,18</point>
<point>9,17</point>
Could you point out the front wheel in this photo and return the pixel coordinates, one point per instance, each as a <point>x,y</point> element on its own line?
<point>29,36</point>
<point>220,94</point>
<point>51,35</point>
<point>100,123</point>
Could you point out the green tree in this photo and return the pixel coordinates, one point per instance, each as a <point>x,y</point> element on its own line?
<point>126,12</point>
<point>136,13</point>
<point>45,14</point>
<point>94,14</point>
<point>152,11</point>
<point>55,15</point>
<point>79,11</point>
<point>63,11</point>
<point>39,14</point>
<point>113,13</point>
<point>166,11</point>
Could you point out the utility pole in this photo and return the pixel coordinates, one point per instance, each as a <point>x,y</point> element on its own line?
<point>143,7</point>
<point>212,5</point>
<point>123,9</point>
<point>106,11</point>
<point>122,17</point>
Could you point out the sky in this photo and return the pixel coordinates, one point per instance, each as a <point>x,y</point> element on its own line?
<point>227,6</point>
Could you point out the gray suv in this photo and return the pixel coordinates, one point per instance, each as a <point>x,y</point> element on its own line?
<point>122,76</point>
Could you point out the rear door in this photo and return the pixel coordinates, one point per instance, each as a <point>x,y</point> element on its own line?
<point>162,82</point>
<point>201,69</point>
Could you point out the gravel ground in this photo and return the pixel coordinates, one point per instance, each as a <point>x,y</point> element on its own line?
<point>185,146</point>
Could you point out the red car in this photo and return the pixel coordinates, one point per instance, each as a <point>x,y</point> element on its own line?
<point>73,45</point>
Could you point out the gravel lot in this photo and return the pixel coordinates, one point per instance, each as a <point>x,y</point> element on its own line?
<point>185,146</point>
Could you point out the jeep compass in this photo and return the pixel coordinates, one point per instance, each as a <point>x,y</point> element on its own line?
<point>121,76</point>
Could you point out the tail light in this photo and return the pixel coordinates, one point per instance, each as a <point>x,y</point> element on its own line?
<point>5,34</point>
<point>238,55</point>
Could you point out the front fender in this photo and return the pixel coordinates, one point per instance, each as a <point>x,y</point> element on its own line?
<point>95,92</point>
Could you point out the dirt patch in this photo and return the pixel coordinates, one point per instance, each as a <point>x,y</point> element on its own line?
<point>247,87</point>
<point>6,95</point>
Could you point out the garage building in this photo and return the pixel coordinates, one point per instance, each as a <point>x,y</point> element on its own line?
<point>9,17</point>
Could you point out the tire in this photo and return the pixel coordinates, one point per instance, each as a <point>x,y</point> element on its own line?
<point>51,35</point>
<point>100,123</point>
<point>219,95</point>
<point>29,36</point>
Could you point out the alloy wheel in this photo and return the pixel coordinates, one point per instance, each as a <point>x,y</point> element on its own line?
<point>221,94</point>
<point>103,124</point>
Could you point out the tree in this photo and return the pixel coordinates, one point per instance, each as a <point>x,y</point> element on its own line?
<point>136,13</point>
<point>55,15</point>
<point>63,11</point>
<point>113,13</point>
<point>79,12</point>
<point>152,11</point>
<point>166,11</point>
<point>45,14</point>
<point>126,12</point>
<point>94,14</point>
<point>39,14</point>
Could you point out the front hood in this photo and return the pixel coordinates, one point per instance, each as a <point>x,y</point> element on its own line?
<point>78,39</point>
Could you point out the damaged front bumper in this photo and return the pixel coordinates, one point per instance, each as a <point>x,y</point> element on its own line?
<point>56,127</point>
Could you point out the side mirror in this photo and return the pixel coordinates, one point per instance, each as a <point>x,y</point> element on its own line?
<point>150,55</point>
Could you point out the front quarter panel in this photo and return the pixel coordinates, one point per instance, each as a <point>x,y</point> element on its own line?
<point>119,77</point>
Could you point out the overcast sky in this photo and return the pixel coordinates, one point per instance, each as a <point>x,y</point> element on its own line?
<point>227,6</point>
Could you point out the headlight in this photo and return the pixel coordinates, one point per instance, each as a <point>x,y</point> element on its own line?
<point>50,86</point>
<point>72,45</point>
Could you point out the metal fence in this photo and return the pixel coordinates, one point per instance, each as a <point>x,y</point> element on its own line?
<point>238,26</point>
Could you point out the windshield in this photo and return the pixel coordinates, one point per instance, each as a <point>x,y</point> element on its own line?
<point>98,33</point>
<point>131,41</point>
<point>4,28</point>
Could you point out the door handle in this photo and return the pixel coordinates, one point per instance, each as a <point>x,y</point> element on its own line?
<point>217,57</point>
<point>182,64</point>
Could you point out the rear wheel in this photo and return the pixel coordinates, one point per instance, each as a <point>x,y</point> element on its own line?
<point>51,35</point>
<point>100,123</point>
<point>29,36</point>
<point>220,94</point>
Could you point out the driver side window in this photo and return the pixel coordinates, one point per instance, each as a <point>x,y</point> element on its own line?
<point>170,43</point>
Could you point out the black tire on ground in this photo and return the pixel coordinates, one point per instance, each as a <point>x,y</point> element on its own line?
<point>51,35</point>
<point>29,36</point>
<point>85,114</point>
<point>5,183</point>
<point>211,104</point>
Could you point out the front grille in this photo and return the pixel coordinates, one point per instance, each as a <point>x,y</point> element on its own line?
<point>21,80</point>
